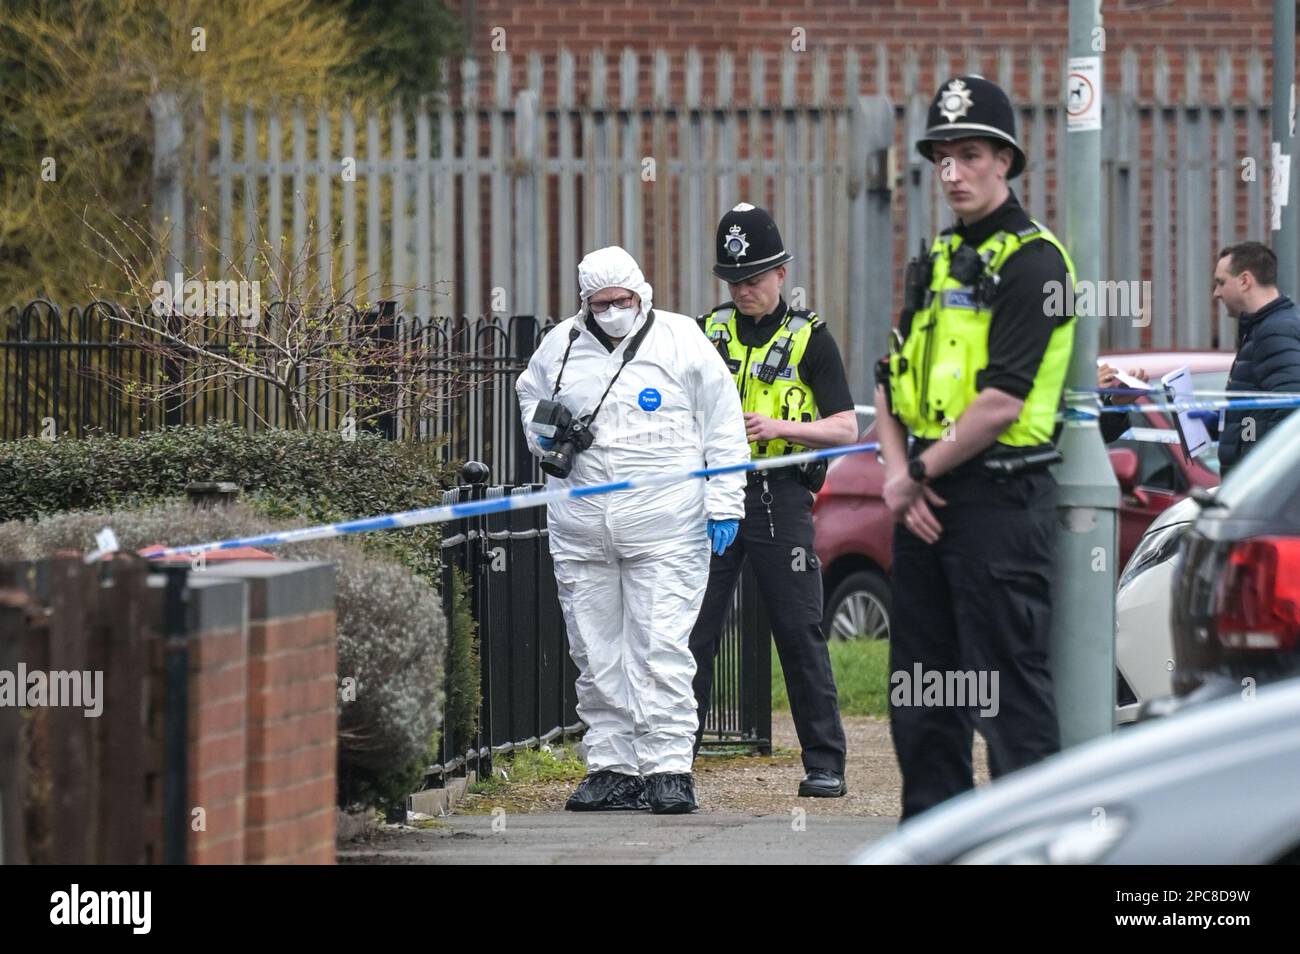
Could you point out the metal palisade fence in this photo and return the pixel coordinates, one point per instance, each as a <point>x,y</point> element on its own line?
<point>484,202</point>
<point>481,205</point>
<point>484,206</point>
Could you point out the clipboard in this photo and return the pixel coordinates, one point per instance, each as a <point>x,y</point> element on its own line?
<point>1192,433</point>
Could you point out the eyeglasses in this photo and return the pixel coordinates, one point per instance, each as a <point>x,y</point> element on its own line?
<point>600,307</point>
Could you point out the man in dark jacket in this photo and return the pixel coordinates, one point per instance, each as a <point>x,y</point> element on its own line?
<point>1268,343</point>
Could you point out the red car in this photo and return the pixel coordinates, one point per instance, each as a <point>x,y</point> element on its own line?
<point>853,532</point>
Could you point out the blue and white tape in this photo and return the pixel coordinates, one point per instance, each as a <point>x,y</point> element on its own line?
<point>478,508</point>
<point>1216,392</point>
<point>107,542</point>
<point>1174,407</point>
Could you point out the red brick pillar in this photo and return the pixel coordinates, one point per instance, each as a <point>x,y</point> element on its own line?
<point>291,714</point>
<point>217,703</point>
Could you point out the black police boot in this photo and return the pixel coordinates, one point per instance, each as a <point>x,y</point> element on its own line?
<point>607,791</point>
<point>822,783</point>
<point>671,793</point>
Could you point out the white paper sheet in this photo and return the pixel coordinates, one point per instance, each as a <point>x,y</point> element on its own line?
<point>1127,379</point>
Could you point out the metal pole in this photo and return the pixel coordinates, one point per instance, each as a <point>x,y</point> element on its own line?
<point>1083,590</point>
<point>1283,122</point>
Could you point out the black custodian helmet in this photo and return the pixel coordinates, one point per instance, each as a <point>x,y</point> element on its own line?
<point>969,106</point>
<point>748,244</point>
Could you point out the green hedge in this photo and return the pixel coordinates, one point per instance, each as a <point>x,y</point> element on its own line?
<point>311,470</point>
<point>304,476</point>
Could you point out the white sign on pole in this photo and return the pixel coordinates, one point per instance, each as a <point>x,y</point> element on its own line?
<point>1280,182</point>
<point>1083,94</point>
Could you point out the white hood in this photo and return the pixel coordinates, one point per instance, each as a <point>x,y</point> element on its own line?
<point>611,267</point>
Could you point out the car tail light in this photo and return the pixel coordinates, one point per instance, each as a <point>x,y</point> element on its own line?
<point>1259,606</point>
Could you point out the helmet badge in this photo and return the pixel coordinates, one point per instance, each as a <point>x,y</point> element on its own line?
<point>737,243</point>
<point>955,100</point>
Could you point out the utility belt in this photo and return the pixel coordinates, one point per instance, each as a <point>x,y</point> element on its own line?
<point>812,475</point>
<point>1000,462</point>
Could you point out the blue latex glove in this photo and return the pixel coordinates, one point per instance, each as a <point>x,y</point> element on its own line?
<point>722,533</point>
<point>545,443</point>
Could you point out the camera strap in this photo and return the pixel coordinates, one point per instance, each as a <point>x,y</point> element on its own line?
<point>632,347</point>
<point>573,336</point>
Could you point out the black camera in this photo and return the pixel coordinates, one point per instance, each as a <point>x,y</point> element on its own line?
<point>570,434</point>
<point>969,268</point>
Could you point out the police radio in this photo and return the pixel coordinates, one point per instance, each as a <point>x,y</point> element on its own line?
<point>916,281</point>
<point>775,361</point>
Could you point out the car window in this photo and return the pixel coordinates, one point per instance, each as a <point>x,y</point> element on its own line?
<point>1209,458</point>
<point>1157,468</point>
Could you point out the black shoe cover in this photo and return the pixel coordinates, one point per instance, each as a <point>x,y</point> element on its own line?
<point>606,791</point>
<point>671,794</point>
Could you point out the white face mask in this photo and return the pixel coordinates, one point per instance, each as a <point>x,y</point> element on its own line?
<point>616,322</point>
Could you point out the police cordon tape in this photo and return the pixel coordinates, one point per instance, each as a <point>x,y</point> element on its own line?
<point>107,541</point>
<point>1273,402</point>
<point>477,508</point>
<point>1087,393</point>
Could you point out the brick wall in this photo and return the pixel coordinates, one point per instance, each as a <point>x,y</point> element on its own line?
<point>260,716</point>
<point>868,26</point>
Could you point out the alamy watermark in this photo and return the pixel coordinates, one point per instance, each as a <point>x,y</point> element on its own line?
<point>79,689</point>
<point>129,908</point>
<point>199,299</point>
<point>1100,299</point>
<point>935,688</point>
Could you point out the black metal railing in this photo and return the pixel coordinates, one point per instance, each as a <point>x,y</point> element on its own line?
<point>82,371</point>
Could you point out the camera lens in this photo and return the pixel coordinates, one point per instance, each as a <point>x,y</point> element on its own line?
<point>558,461</point>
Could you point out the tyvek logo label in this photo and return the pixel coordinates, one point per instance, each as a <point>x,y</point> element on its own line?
<point>649,400</point>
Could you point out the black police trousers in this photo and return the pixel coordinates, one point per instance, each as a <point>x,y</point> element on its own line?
<point>975,605</point>
<point>789,577</point>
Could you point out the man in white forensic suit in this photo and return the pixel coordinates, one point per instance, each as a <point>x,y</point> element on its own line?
<point>623,391</point>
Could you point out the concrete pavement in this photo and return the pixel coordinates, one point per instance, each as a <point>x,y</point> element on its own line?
<point>623,838</point>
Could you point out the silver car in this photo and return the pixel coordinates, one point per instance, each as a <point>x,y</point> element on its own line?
<point>1215,784</point>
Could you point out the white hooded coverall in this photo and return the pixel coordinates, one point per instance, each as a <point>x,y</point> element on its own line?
<point>631,567</point>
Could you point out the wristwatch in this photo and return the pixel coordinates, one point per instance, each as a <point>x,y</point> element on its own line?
<point>916,470</point>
